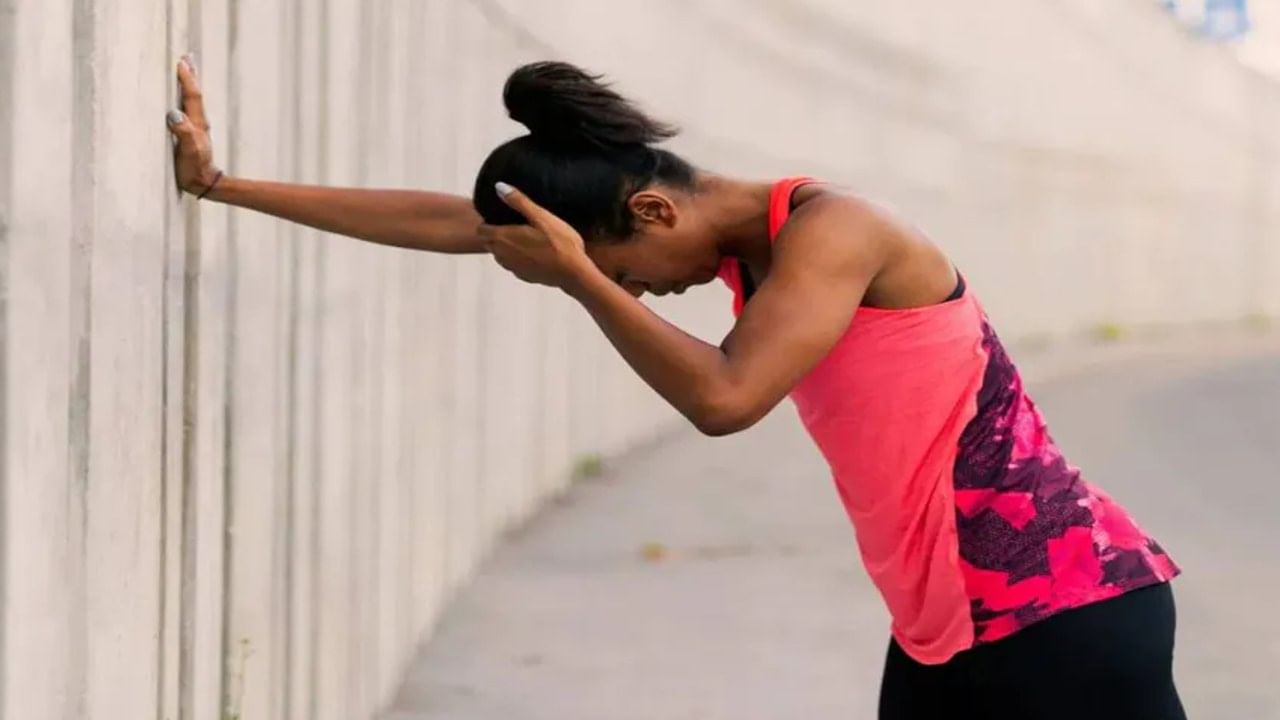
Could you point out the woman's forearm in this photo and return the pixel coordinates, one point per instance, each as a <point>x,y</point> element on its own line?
<point>417,220</point>
<point>690,374</point>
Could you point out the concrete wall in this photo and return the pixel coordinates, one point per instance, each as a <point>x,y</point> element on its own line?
<point>245,465</point>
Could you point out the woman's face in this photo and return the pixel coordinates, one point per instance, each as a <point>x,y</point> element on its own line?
<point>669,251</point>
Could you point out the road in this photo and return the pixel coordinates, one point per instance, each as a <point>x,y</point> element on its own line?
<point>708,579</point>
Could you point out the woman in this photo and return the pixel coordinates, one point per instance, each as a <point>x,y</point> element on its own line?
<point>1017,589</point>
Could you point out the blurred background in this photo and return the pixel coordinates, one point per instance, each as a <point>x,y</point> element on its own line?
<point>251,473</point>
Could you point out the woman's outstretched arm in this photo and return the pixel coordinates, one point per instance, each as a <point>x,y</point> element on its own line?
<point>436,222</point>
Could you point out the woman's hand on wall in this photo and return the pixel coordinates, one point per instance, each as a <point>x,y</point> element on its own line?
<point>193,150</point>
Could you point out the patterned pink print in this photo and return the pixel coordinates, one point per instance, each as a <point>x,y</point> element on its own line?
<point>1035,538</point>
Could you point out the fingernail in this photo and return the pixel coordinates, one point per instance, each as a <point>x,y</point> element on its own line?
<point>175,116</point>
<point>504,189</point>
<point>190,60</point>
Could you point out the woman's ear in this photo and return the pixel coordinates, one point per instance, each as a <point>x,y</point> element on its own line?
<point>648,206</point>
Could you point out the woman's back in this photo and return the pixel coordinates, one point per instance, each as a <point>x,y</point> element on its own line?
<point>968,518</point>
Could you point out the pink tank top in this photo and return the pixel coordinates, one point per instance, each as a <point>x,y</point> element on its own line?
<point>969,521</point>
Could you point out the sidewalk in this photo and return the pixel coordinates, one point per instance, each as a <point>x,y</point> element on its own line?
<point>718,579</point>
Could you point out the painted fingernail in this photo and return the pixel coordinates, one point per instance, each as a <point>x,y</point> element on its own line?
<point>504,189</point>
<point>175,117</point>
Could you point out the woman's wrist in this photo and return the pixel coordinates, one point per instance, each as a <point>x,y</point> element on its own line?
<point>584,280</point>
<point>216,186</point>
<point>210,183</point>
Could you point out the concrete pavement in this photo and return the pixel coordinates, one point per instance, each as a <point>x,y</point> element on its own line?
<point>707,579</point>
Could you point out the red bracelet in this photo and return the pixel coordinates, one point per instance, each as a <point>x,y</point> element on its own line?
<point>212,185</point>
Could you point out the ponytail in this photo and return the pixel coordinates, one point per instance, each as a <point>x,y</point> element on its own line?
<point>588,150</point>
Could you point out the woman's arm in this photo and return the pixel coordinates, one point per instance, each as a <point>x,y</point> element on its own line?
<point>436,222</point>
<point>798,314</point>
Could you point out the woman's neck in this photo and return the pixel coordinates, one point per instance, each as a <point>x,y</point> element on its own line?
<point>738,212</point>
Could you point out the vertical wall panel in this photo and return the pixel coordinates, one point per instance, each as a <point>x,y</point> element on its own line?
<point>336,663</point>
<point>126,369</point>
<point>207,466</point>
<point>435,326</point>
<point>303,133</point>
<point>258,450</point>
<point>390,626</point>
<point>178,284</point>
<point>465,490</point>
<point>43,586</point>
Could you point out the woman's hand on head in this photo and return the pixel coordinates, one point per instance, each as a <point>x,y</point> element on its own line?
<point>547,251</point>
<point>193,151</point>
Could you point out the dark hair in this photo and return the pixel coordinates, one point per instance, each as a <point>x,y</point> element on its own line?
<point>588,150</point>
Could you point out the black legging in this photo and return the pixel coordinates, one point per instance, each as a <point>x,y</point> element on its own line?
<point>1112,660</point>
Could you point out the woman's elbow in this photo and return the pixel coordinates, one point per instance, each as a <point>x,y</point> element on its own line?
<point>725,416</point>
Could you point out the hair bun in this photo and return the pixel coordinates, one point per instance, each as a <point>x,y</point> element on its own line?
<point>564,104</point>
